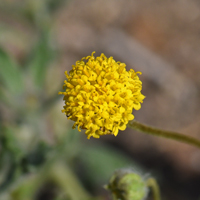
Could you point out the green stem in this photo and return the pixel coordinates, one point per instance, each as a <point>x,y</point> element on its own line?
<point>56,170</point>
<point>151,182</point>
<point>163,133</point>
<point>69,182</point>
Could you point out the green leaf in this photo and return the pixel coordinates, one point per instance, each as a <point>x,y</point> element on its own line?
<point>10,143</point>
<point>101,161</point>
<point>40,59</point>
<point>10,73</point>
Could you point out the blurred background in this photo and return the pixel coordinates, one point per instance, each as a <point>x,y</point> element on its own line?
<point>41,157</point>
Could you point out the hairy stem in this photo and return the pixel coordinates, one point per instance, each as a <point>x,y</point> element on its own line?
<point>152,183</point>
<point>163,133</point>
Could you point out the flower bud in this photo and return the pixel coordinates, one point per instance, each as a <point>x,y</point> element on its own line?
<point>125,184</point>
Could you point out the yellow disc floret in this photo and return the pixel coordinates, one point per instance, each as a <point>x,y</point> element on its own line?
<point>100,95</point>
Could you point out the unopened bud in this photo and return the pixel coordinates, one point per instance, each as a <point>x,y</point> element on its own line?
<point>126,184</point>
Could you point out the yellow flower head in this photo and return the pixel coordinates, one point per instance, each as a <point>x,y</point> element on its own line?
<point>100,95</point>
